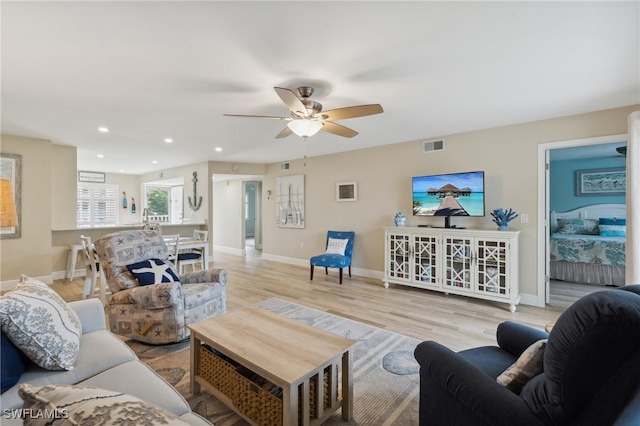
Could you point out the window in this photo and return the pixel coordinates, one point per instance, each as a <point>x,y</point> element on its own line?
<point>96,205</point>
<point>163,202</point>
<point>158,202</point>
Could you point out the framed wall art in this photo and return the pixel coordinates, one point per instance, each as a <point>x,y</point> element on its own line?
<point>11,195</point>
<point>290,201</point>
<point>609,181</point>
<point>347,191</point>
<point>95,177</point>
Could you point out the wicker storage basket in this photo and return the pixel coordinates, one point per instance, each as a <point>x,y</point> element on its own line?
<point>252,395</point>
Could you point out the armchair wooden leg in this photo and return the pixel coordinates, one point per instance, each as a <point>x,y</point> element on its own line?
<point>311,274</point>
<point>349,271</point>
<point>340,275</point>
<point>326,270</point>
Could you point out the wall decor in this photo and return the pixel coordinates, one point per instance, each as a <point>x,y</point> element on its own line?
<point>347,191</point>
<point>196,202</point>
<point>290,201</point>
<point>95,177</point>
<point>609,181</point>
<point>11,176</point>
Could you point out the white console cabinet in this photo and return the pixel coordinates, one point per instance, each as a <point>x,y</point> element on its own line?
<point>475,263</point>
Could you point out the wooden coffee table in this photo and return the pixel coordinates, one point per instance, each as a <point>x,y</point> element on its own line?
<point>283,351</point>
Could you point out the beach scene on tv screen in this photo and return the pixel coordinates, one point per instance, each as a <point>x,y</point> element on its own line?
<point>456,194</point>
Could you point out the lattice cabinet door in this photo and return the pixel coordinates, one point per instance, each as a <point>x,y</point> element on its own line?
<point>426,268</point>
<point>493,267</point>
<point>458,263</point>
<point>399,256</point>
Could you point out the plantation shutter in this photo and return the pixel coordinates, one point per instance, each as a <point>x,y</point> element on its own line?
<point>97,205</point>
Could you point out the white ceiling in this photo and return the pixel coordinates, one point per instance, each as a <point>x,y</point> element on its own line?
<point>151,70</point>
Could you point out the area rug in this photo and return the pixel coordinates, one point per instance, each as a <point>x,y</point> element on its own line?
<point>385,373</point>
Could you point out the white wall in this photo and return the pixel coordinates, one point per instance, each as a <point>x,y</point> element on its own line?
<point>227,215</point>
<point>508,155</point>
<point>31,253</point>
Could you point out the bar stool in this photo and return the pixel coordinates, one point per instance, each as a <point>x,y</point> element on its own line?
<point>72,258</point>
<point>94,279</point>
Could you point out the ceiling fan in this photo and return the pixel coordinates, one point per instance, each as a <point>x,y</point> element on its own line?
<point>307,118</point>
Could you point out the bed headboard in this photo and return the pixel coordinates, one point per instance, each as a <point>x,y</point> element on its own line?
<point>594,211</point>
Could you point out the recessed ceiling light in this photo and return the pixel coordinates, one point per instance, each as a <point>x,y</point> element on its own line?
<point>103,129</point>
<point>218,149</point>
<point>100,156</point>
<point>168,140</point>
<point>154,162</point>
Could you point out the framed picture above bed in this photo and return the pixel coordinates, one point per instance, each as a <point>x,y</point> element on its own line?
<point>609,181</point>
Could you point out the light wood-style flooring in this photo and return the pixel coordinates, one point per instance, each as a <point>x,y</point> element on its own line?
<point>455,321</point>
<point>563,293</point>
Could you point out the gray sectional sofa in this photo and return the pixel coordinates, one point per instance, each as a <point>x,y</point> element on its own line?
<point>106,362</point>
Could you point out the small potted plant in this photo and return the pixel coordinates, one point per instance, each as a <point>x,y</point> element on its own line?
<point>503,217</point>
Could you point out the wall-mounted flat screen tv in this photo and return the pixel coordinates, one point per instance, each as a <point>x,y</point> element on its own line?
<point>452,194</point>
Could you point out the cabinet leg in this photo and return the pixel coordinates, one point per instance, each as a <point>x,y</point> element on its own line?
<point>512,308</point>
<point>386,284</point>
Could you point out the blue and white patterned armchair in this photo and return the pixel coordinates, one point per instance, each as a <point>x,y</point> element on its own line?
<point>155,313</point>
<point>339,249</point>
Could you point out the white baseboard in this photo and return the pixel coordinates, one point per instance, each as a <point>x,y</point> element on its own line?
<point>47,279</point>
<point>230,250</point>
<point>525,299</point>
<point>531,300</point>
<point>367,273</point>
<point>11,284</point>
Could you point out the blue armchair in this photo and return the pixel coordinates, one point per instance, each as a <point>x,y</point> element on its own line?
<point>339,248</point>
<point>590,376</point>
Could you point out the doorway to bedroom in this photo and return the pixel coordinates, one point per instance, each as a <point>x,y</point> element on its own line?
<point>584,192</point>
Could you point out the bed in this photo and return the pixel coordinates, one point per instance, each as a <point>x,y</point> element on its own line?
<point>587,245</point>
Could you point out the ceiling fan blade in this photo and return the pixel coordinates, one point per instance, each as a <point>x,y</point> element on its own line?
<point>292,101</point>
<point>337,129</point>
<point>352,112</point>
<point>284,133</point>
<point>270,117</point>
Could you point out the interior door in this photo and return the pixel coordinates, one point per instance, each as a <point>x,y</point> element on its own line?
<point>547,233</point>
<point>176,204</point>
<point>250,209</point>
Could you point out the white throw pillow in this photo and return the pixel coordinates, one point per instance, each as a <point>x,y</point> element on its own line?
<point>41,324</point>
<point>336,246</point>
<point>84,406</point>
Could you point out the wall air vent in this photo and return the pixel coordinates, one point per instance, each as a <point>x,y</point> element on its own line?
<point>285,166</point>
<point>431,146</point>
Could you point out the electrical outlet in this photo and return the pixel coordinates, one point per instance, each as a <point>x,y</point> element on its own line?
<point>524,218</point>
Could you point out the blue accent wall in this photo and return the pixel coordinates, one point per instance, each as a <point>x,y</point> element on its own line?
<point>562,187</point>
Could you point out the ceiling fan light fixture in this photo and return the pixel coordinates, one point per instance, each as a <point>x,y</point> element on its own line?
<point>305,128</point>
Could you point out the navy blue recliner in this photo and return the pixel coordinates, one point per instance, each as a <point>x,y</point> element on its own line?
<point>591,371</point>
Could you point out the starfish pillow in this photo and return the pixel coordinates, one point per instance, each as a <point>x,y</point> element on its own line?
<point>153,271</point>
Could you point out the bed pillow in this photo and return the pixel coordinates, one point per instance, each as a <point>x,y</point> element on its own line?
<point>80,405</point>
<point>612,221</point>
<point>613,231</point>
<point>578,226</point>
<point>41,324</point>
<point>153,271</point>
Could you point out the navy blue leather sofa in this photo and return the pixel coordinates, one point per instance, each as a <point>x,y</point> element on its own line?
<point>591,371</point>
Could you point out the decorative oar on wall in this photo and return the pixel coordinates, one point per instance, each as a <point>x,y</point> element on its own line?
<point>197,201</point>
